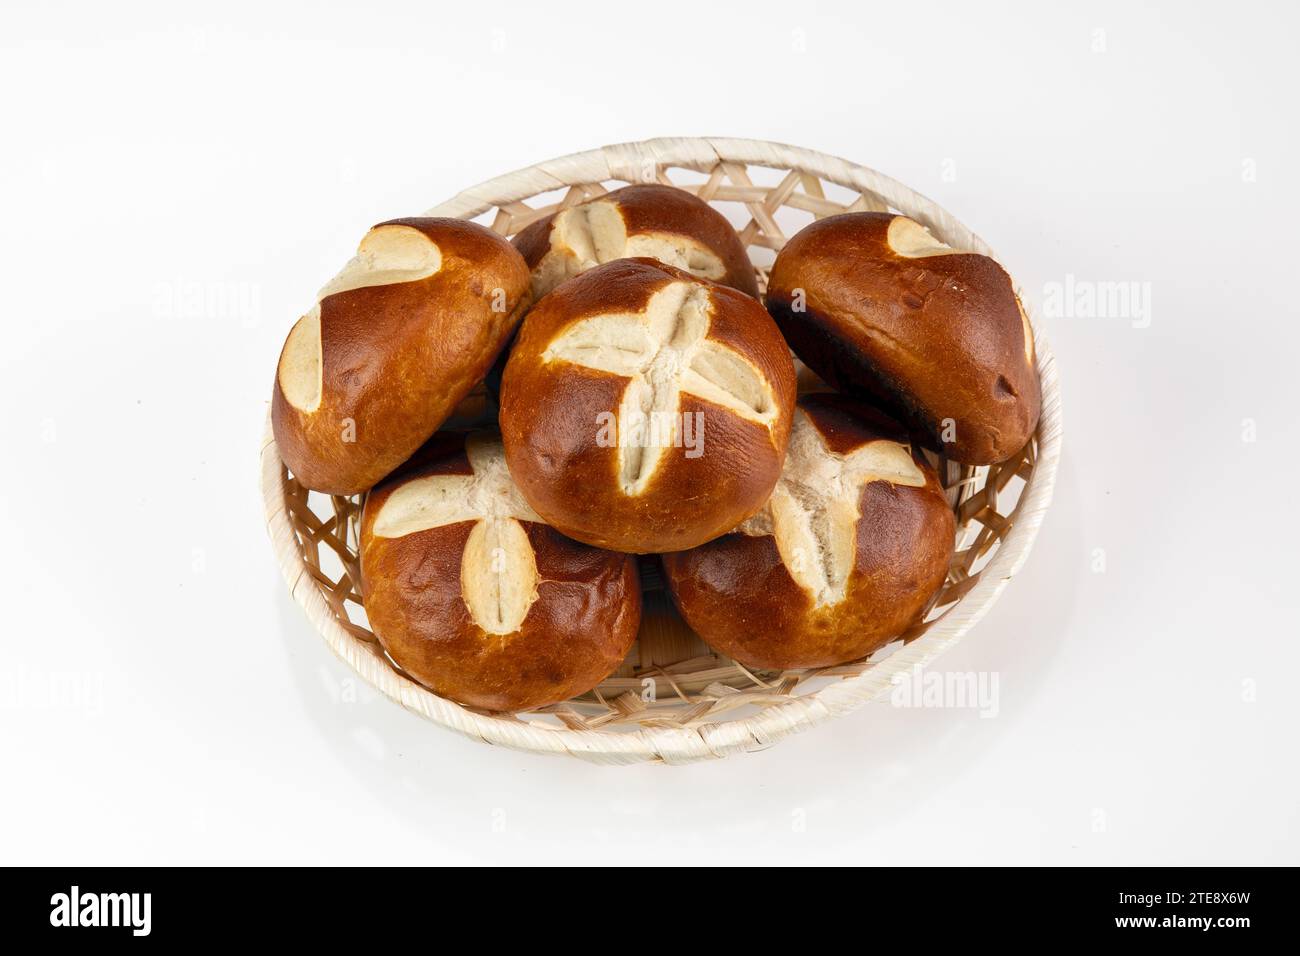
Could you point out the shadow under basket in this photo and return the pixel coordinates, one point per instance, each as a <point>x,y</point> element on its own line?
<point>674,699</point>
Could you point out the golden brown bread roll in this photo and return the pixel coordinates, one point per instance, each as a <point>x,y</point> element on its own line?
<point>645,410</point>
<point>653,221</point>
<point>850,549</point>
<point>880,308</point>
<point>473,596</point>
<point>394,343</point>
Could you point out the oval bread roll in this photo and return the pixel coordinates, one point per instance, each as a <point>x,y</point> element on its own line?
<point>849,551</point>
<point>878,307</point>
<point>645,410</point>
<point>652,221</point>
<point>394,343</point>
<point>477,599</point>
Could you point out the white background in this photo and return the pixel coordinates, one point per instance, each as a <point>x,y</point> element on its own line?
<point>165,701</point>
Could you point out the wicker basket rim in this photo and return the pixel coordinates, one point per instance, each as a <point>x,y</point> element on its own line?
<point>630,162</point>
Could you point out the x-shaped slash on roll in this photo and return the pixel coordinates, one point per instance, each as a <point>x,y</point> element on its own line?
<point>664,351</point>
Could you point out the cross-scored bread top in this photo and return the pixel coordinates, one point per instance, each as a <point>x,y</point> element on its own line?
<point>815,508</point>
<point>475,597</point>
<point>652,221</point>
<point>664,351</point>
<point>394,342</point>
<point>847,553</point>
<point>645,410</point>
<point>388,254</point>
<point>498,569</point>
<point>882,310</point>
<point>594,233</point>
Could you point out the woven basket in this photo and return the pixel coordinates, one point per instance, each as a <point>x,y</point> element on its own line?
<point>674,700</point>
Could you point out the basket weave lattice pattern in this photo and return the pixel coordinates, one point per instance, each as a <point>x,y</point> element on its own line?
<point>674,699</point>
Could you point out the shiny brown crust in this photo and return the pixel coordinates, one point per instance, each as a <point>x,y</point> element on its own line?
<point>578,630</point>
<point>397,359</point>
<point>737,593</point>
<point>549,415</point>
<point>655,208</point>
<point>932,338</point>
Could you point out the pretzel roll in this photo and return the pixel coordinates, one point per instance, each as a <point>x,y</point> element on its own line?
<point>654,221</point>
<point>880,308</point>
<point>393,344</point>
<point>477,599</point>
<point>853,544</point>
<point>645,410</point>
